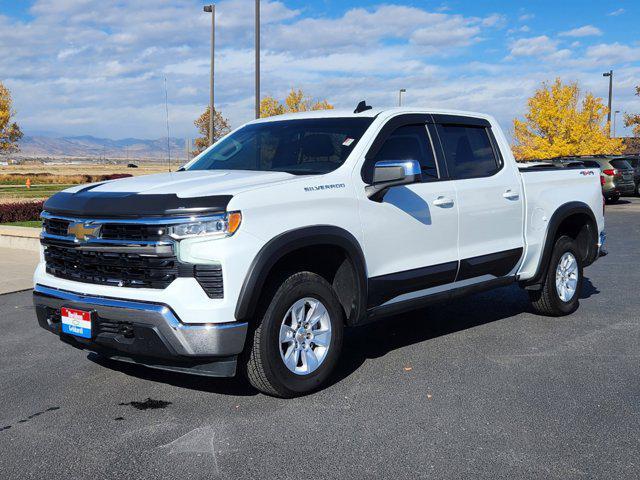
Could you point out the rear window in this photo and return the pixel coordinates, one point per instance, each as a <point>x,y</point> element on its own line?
<point>621,164</point>
<point>468,151</point>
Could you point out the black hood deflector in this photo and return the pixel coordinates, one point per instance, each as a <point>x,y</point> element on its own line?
<point>87,203</point>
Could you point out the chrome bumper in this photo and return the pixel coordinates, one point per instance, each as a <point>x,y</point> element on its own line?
<point>138,328</point>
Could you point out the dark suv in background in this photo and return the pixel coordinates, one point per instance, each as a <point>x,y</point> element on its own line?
<point>616,173</point>
<point>634,161</point>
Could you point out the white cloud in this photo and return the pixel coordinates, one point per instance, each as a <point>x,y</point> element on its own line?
<point>533,47</point>
<point>584,31</point>
<point>96,67</point>
<point>613,53</point>
<point>617,12</point>
<point>526,16</point>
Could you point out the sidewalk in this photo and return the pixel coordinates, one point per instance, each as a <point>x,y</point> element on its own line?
<point>17,267</point>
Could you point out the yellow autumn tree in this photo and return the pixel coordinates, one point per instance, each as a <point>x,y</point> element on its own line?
<point>633,120</point>
<point>220,129</point>
<point>558,124</point>
<point>10,133</point>
<point>296,101</point>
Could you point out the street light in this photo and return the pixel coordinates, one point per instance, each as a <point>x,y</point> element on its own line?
<point>212,10</point>
<point>257,48</point>
<point>615,118</point>
<point>402,90</point>
<point>610,75</point>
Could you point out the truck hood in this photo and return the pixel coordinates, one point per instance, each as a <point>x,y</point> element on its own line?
<point>192,184</point>
<point>180,193</point>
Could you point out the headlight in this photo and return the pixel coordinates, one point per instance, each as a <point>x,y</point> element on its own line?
<point>213,227</point>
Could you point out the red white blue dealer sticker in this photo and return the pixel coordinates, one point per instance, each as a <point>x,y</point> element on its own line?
<point>76,322</point>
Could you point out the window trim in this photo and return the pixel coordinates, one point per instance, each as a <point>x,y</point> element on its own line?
<point>454,121</point>
<point>393,124</point>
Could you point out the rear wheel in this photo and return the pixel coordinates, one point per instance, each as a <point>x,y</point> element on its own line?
<point>613,199</point>
<point>560,291</point>
<point>296,343</point>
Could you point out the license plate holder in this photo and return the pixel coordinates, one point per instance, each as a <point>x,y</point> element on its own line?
<point>76,322</point>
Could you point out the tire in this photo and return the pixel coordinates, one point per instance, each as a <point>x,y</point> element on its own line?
<point>613,199</point>
<point>548,300</point>
<point>638,190</point>
<point>265,364</point>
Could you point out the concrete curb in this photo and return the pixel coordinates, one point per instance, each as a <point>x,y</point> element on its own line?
<point>22,238</point>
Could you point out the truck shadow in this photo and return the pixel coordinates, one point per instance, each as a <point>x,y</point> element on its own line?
<point>378,339</point>
<point>371,341</point>
<point>224,386</point>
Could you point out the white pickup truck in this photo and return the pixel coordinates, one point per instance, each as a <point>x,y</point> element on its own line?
<point>258,253</point>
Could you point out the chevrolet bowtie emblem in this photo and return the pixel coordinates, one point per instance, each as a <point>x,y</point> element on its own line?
<point>83,231</point>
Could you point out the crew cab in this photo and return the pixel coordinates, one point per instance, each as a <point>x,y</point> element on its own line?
<point>256,255</point>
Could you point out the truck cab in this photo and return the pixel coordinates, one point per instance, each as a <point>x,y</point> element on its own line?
<point>257,255</point>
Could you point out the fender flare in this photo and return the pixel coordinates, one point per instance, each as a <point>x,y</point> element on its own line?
<point>292,240</point>
<point>562,213</point>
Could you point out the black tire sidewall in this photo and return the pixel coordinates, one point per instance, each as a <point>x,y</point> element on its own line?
<point>296,287</point>
<point>564,245</point>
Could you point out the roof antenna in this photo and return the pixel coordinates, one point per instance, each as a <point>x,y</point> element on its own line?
<point>362,107</point>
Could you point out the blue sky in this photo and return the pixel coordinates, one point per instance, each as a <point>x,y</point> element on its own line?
<point>79,67</point>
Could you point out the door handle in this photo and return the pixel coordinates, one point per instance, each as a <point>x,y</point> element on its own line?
<point>511,195</point>
<point>443,202</point>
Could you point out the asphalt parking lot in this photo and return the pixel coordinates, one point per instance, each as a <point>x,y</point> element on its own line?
<point>481,388</point>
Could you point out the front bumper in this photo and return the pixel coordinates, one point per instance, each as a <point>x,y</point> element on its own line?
<point>146,333</point>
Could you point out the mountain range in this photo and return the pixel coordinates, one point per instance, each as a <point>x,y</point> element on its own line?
<point>92,147</point>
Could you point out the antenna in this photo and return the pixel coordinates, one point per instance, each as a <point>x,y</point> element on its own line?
<point>166,107</point>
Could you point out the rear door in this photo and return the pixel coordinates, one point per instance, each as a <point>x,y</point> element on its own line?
<point>490,200</point>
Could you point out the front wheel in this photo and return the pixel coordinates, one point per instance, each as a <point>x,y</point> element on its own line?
<point>560,291</point>
<point>296,343</point>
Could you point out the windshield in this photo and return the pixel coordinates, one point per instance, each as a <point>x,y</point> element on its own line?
<point>300,147</point>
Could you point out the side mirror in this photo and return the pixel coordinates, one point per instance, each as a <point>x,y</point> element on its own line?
<point>393,173</point>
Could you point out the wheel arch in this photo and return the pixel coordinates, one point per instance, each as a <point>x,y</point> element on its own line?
<point>577,220</point>
<point>300,240</point>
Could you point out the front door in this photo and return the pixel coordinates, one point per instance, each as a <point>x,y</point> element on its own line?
<point>411,237</point>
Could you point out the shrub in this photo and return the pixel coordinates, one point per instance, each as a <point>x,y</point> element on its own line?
<point>113,176</point>
<point>50,179</point>
<point>20,212</point>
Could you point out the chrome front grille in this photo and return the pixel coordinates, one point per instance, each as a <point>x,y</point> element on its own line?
<point>55,226</point>
<point>121,253</point>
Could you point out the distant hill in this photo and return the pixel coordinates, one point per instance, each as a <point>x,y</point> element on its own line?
<point>90,147</point>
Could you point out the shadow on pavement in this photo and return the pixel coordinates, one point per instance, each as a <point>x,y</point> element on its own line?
<point>373,340</point>
<point>588,289</point>
<point>224,386</point>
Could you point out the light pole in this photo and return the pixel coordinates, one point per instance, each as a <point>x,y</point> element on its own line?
<point>212,10</point>
<point>615,118</point>
<point>402,90</point>
<point>610,75</point>
<point>257,48</point>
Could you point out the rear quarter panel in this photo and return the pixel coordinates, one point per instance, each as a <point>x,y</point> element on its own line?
<point>545,192</point>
